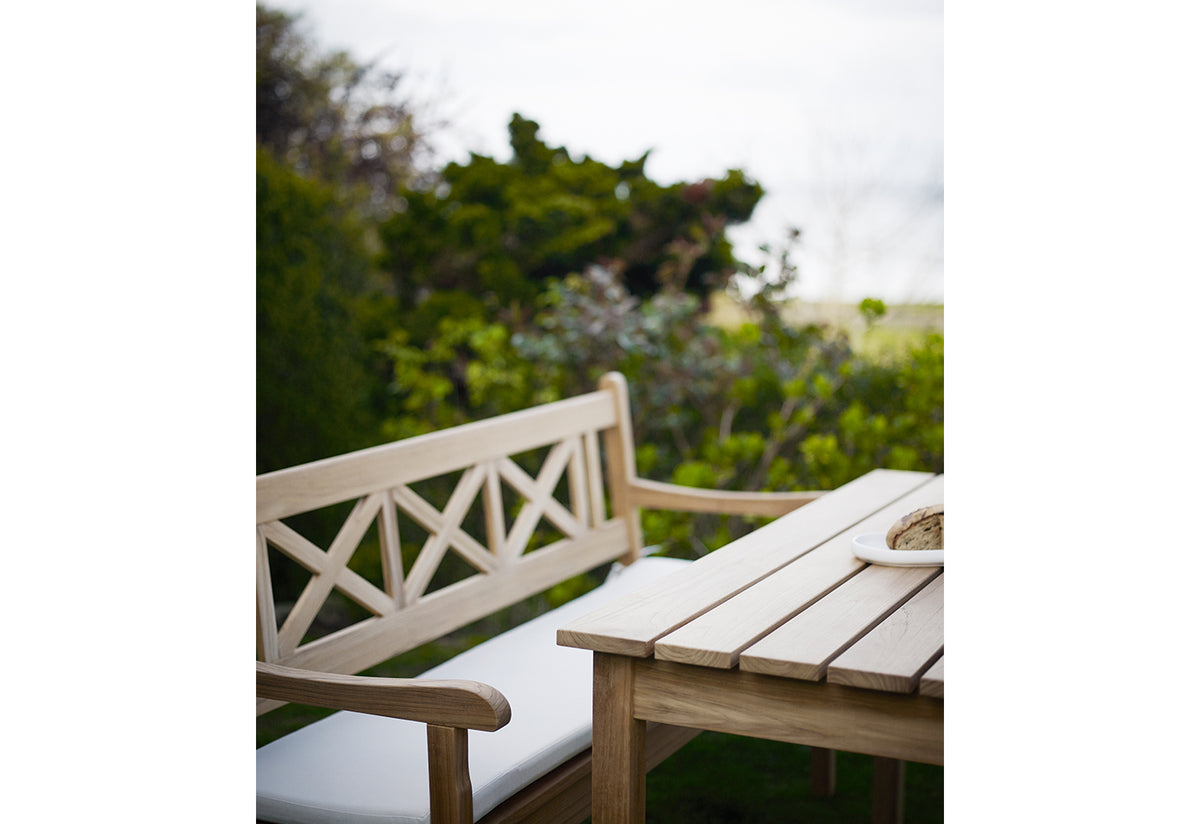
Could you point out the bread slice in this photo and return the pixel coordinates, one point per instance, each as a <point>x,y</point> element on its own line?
<point>922,529</point>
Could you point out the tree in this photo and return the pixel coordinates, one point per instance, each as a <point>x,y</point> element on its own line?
<point>495,232</point>
<point>314,383</point>
<point>335,142</point>
<point>328,117</point>
<point>763,405</point>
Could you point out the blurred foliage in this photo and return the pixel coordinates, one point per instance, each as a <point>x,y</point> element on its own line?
<point>314,315</point>
<point>769,782</point>
<point>327,116</point>
<point>763,406</point>
<point>498,231</point>
<point>394,299</point>
<point>334,143</point>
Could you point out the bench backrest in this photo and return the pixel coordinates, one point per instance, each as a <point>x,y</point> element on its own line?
<point>568,493</point>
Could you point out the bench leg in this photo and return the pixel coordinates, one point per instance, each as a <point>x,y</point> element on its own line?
<point>450,799</point>
<point>887,791</point>
<point>618,745</point>
<point>823,772</point>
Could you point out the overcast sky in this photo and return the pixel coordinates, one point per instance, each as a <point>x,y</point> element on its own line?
<point>835,107</point>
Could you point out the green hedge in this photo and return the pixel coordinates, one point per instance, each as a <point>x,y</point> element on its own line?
<point>765,405</point>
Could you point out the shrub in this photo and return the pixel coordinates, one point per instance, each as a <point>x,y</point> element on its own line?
<point>765,405</point>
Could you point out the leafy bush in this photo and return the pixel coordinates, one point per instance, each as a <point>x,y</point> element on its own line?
<point>327,116</point>
<point>500,231</point>
<point>314,381</point>
<point>387,292</point>
<point>762,406</point>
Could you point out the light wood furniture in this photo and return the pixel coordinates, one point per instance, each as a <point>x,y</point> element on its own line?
<point>783,634</point>
<point>379,486</point>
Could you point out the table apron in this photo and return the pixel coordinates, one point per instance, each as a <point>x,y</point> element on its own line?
<point>817,714</point>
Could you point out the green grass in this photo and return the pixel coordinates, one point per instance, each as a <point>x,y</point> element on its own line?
<point>900,326</point>
<point>730,779</point>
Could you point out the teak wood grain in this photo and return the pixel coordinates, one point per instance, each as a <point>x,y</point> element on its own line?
<point>346,477</point>
<point>632,624</point>
<point>587,445</point>
<point>657,495</point>
<point>818,714</point>
<point>804,646</point>
<point>618,743</point>
<point>784,634</point>
<point>887,791</point>
<point>717,637</point>
<point>893,656</point>
<point>450,796</point>
<point>933,682</point>
<point>377,639</point>
<point>467,704</point>
<point>622,468</point>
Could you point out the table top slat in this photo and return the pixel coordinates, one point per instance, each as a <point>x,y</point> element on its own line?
<point>631,625</point>
<point>804,646</point>
<point>716,638</point>
<point>933,682</point>
<point>892,656</point>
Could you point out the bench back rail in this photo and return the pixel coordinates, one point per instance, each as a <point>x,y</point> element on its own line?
<point>585,489</point>
<point>403,614</point>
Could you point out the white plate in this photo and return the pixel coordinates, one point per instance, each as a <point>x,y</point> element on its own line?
<point>872,548</point>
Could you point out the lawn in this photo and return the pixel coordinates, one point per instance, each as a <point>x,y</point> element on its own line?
<point>730,779</point>
<point>900,324</point>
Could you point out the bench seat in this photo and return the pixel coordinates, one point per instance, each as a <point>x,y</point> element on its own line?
<point>519,503</point>
<point>352,767</point>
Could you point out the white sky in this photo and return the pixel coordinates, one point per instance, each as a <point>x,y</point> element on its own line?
<point>835,107</point>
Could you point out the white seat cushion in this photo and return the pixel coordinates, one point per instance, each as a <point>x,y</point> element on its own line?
<point>352,767</point>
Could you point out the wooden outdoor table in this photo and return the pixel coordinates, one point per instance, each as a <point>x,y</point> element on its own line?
<point>783,634</point>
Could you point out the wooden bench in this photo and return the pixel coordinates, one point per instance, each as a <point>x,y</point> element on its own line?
<point>366,765</point>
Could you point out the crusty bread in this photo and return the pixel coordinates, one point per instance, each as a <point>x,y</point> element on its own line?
<point>922,529</point>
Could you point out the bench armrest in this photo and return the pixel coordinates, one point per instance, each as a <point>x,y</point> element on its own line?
<point>461,704</point>
<point>658,495</point>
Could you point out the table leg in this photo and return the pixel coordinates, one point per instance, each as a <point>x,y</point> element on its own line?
<point>887,791</point>
<point>822,772</point>
<point>618,745</point>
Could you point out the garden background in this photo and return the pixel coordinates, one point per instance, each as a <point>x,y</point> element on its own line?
<point>397,295</point>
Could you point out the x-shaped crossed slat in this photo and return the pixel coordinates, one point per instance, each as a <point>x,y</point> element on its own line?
<point>540,498</point>
<point>445,530</point>
<point>329,570</point>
